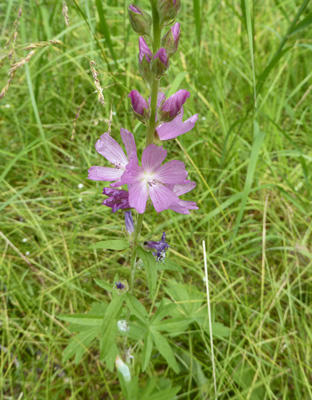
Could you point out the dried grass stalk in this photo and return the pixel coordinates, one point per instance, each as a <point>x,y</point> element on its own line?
<point>65,13</point>
<point>97,83</point>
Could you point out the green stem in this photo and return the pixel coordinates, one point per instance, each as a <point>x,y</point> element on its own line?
<point>149,136</point>
<point>134,250</point>
<point>155,84</point>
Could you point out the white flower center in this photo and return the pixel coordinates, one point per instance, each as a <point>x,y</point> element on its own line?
<point>148,177</point>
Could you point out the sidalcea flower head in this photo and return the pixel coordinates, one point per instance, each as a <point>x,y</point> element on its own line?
<point>183,206</point>
<point>172,106</point>
<point>176,127</point>
<point>129,222</point>
<point>168,9</point>
<point>117,199</point>
<point>140,20</point>
<point>139,105</point>
<point>160,63</point>
<point>160,247</point>
<point>151,179</point>
<point>171,40</point>
<point>111,150</point>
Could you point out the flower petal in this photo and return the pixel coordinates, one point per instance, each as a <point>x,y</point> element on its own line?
<point>183,207</point>
<point>110,149</point>
<point>104,174</point>
<point>128,139</point>
<point>172,172</point>
<point>138,194</point>
<point>162,197</point>
<point>174,128</point>
<point>132,174</point>
<point>152,157</point>
<point>182,188</point>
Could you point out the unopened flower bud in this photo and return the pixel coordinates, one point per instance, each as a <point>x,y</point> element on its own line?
<point>121,287</point>
<point>139,105</point>
<point>140,20</point>
<point>129,222</point>
<point>145,56</point>
<point>171,107</point>
<point>160,63</point>
<point>171,40</point>
<point>168,9</point>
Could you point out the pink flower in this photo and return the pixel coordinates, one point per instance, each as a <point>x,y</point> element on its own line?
<point>176,127</point>
<point>183,206</point>
<point>151,179</point>
<point>111,150</point>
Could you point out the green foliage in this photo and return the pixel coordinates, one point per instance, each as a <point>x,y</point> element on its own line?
<point>111,245</point>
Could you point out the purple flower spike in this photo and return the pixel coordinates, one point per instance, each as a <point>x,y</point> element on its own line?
<point>111,150</point>
<point>129,222</point>
<point>144,50</point>
<point>173,105</point>
<point>139,104</point>
<point>160,247</point>
<point>117,199</point>
<point>176,127</point>
<point>151,179</point>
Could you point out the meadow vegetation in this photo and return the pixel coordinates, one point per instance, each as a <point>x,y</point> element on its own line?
<point>247,66</point>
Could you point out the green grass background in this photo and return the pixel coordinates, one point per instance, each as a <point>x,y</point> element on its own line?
<point>248,68</point>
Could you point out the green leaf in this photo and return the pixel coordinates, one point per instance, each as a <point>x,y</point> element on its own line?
<point>104,28</point>
<point>110,358</point>
<point>111,245</point>
<point>78,344</point>
<point>301,25</point>
<point>165,350</point>
<point>136,308</point>
<point>168,265</point>
<point>147,350</point>
<point>163,310</point>
<point>176,83</point>
<point>109,327</point>
<point>150,266</point>
<point>83,319</point>
<point>107,340</point>
<point>105,285</point>
<point>198,21</point>
<point>167,394</point>
<point>173,325</point>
